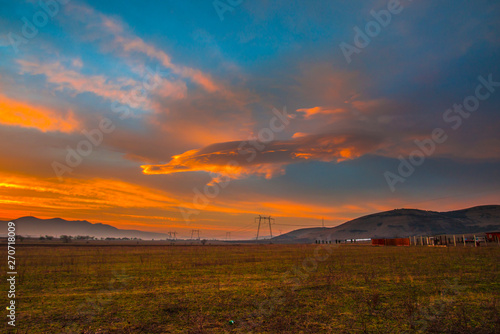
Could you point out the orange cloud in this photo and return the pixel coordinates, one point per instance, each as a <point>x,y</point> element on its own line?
<point>299,134</point>
<point>17,113</point>
<point>240,159</point>
<point>311,112</point>
<point>218,163</point>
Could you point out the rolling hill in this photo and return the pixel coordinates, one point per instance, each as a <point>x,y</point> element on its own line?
<point>404,223</point>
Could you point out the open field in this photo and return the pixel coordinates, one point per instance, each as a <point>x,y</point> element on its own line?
<point>262,288</point>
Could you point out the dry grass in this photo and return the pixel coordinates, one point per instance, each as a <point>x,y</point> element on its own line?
<point>263,288</point>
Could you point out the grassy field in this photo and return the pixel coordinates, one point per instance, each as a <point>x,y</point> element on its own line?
<point>261,288</point>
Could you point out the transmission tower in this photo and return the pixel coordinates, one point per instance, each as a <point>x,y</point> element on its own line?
<point>228,235</point>
<point>172,235</point>
<point>195,232</point>
<point>263,219</point>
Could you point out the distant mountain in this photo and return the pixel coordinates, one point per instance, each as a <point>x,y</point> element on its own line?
<point>33,226</point>
<point>404,223</point>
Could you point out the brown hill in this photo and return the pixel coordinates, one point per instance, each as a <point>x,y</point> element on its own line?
<point>404,223</point>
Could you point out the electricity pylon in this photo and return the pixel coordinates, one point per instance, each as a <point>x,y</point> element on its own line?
<point>264,218</point>
<point>194,232</point>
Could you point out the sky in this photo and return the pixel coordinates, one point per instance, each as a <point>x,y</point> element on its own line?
<point>180,115</point>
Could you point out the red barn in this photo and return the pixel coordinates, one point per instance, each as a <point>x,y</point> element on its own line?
<point>391,242</point>
<point>493,236</point>
<point>378,242</point>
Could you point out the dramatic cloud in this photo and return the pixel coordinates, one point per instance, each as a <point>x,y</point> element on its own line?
<point>239,159</point>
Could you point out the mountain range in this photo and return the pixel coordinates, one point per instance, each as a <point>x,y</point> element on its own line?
<point>32,226</point>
